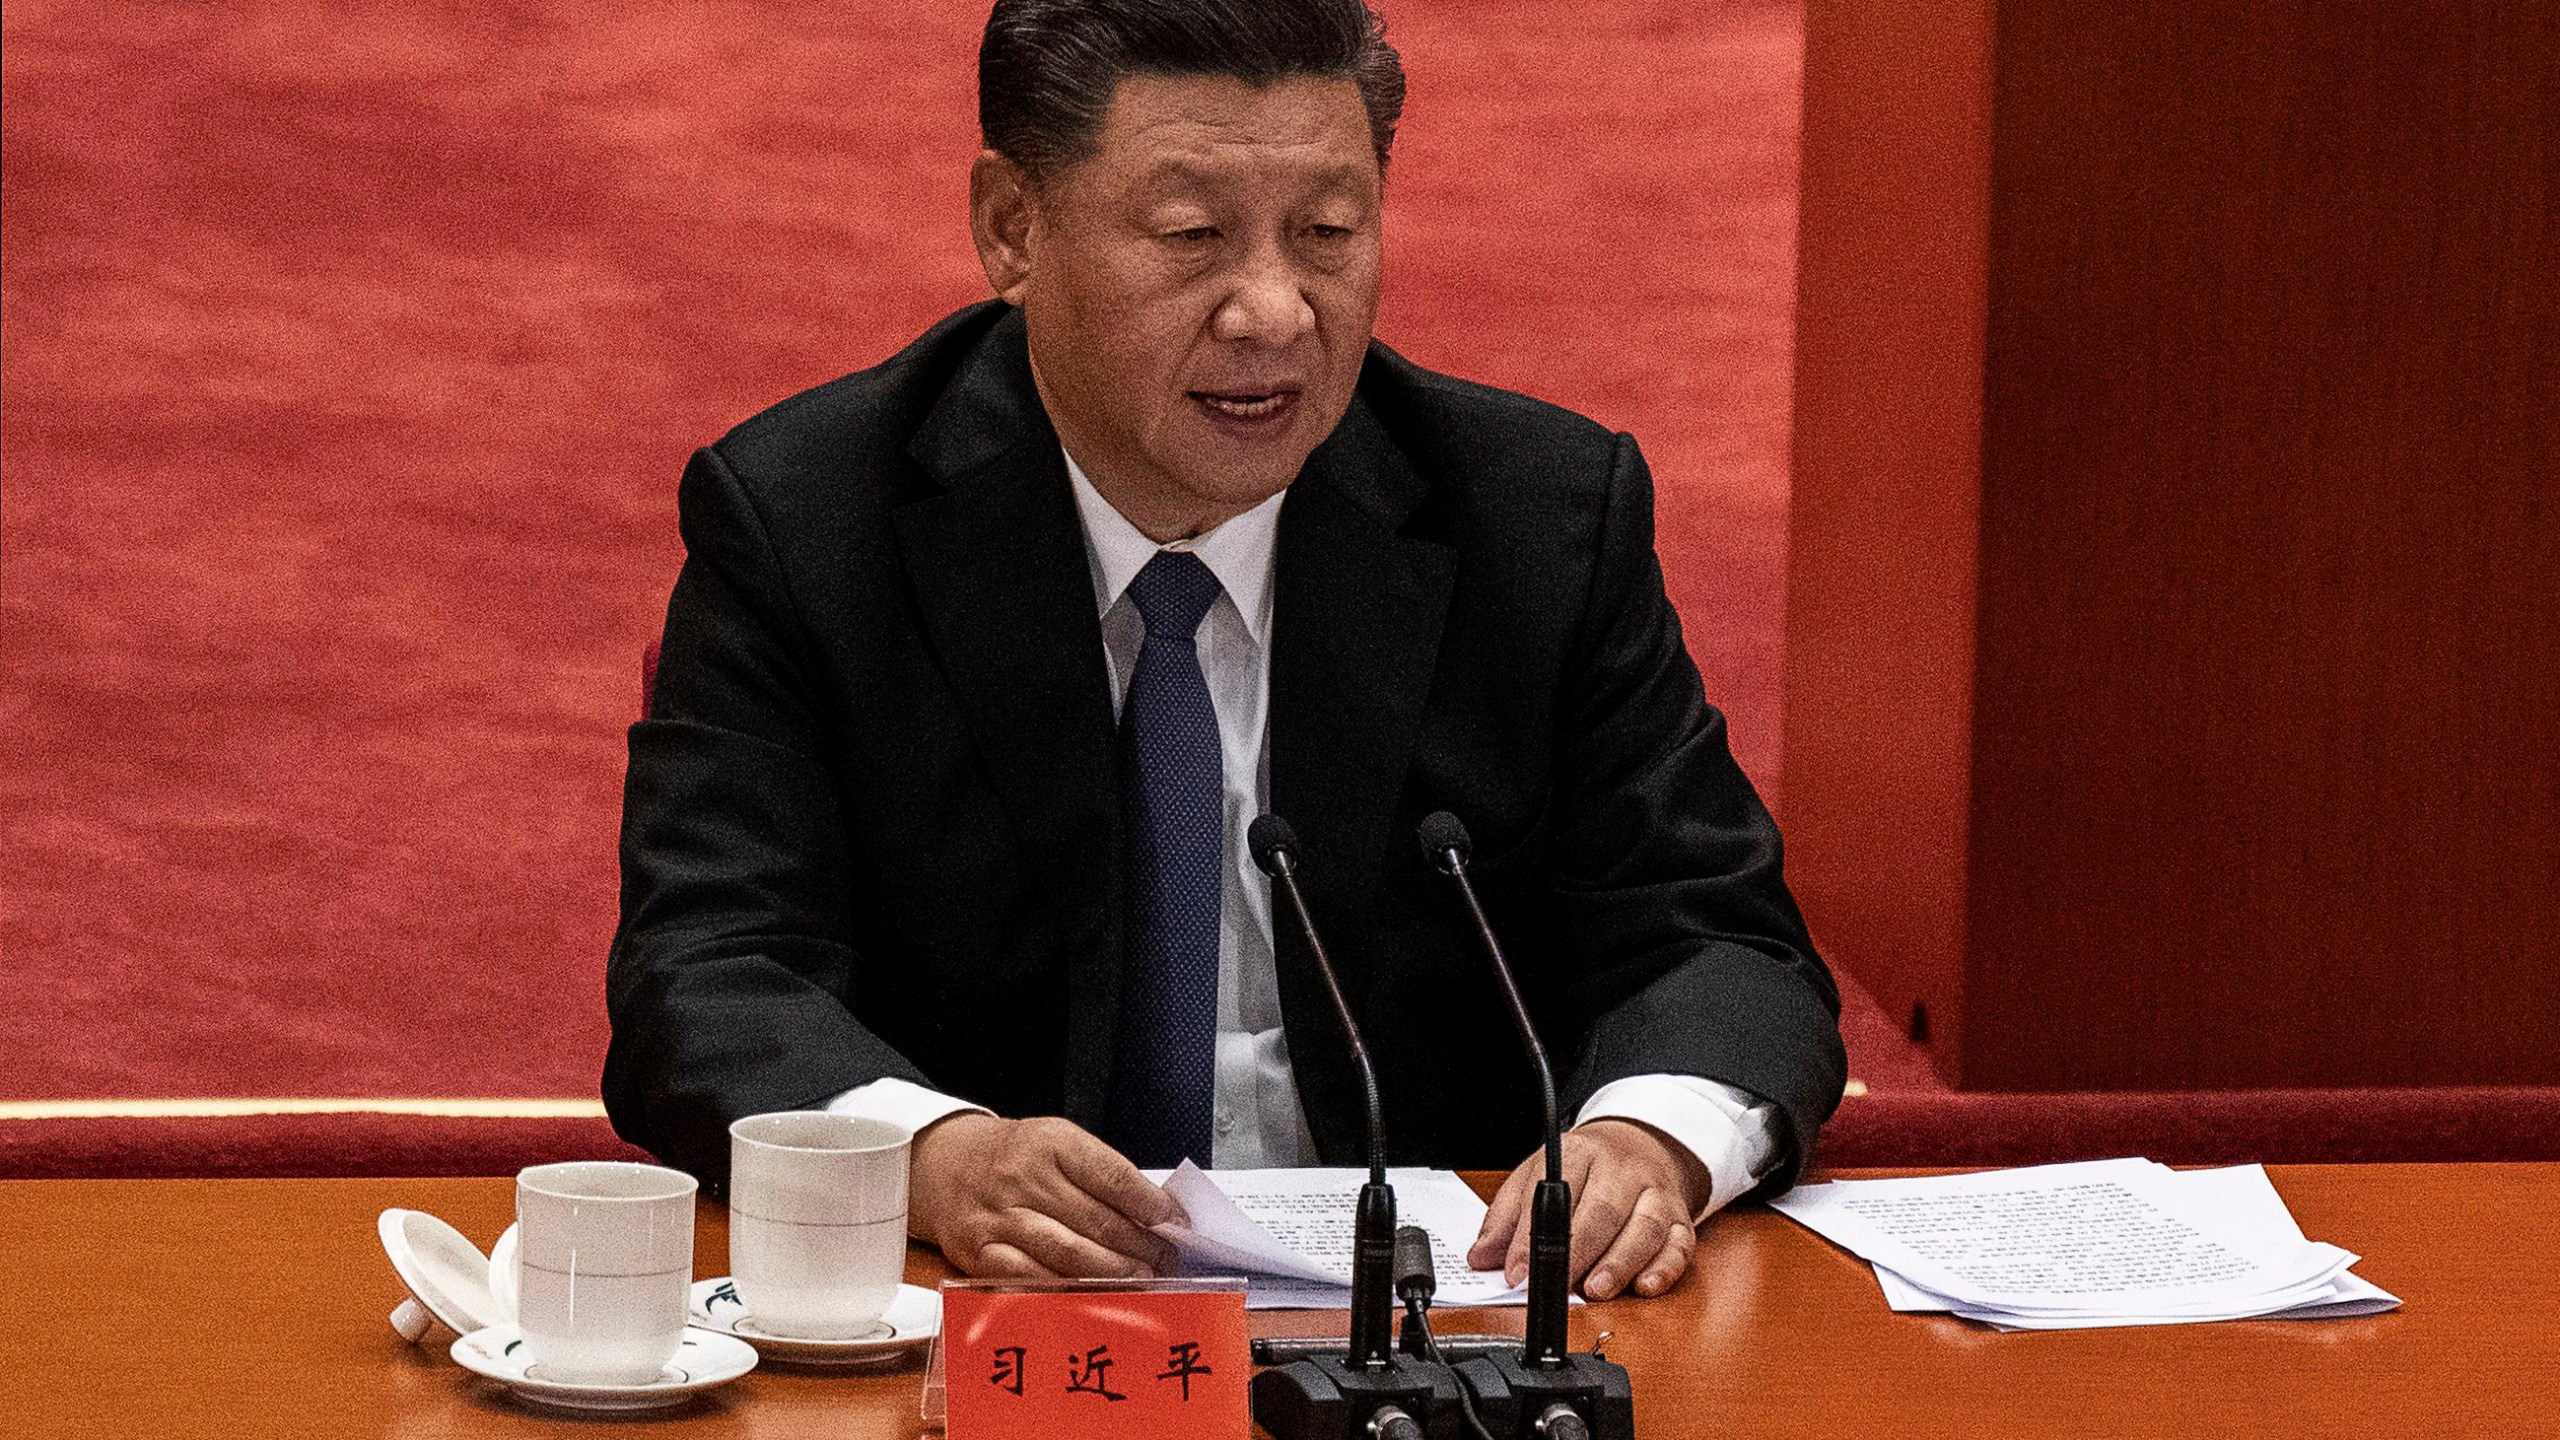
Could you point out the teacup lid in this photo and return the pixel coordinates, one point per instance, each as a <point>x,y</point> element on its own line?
<point>442,1268</point>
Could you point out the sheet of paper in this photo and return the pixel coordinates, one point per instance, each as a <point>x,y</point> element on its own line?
<point>2347,1296</point>
<point>2105,1236</point>
<point>1902,1295</point>
<point>2244,1202</point>
<point>2235,1210</point>
<point>2356,1296</point>
<point>1290,1232</point>
<point>1221,1236</point>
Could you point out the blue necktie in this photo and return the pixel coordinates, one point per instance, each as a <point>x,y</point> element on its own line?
<point>1173,801</point>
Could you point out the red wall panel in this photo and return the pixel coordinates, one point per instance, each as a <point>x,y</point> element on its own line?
<point>1879,662</point>
<point>2257,722</point>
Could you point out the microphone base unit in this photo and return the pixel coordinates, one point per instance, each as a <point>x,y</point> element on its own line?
<point>1513,1397</point>
<point>1329,1398</point>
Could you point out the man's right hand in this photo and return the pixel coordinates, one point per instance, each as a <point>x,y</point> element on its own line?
<point>1035,1198</point>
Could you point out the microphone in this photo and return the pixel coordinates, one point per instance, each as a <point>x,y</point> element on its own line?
<point>1320,1396</point>
<point>1546,1389</point>
<point>1275,851</point>
<point>1446,845</point>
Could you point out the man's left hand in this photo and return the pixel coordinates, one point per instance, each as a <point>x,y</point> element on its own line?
<point>1633,1193</point>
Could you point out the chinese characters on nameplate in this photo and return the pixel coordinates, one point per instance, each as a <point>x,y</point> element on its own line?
<point>1069,1358</point>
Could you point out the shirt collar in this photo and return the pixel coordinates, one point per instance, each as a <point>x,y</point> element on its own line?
<point>1239,552</point>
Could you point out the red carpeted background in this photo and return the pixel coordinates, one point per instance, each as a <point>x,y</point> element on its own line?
<point>350,354</point>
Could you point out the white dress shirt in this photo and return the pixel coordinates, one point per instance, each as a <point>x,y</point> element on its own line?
<point>1256,1118</point>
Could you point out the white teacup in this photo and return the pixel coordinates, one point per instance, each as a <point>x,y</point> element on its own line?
<point>817,1221</point>
<point>598,1268</point>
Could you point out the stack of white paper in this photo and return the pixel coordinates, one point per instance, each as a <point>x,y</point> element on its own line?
<point>1289,1232</point>
<point>2105,1242</point>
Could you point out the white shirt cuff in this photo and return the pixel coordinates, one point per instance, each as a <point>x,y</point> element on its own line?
<point>1725,1128</point>
<point>899,1102</point>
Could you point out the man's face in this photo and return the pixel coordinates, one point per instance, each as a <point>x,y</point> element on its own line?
<point>1200,291</point>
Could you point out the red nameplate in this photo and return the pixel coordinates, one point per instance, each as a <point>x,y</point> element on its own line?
<point>1068,1365</point>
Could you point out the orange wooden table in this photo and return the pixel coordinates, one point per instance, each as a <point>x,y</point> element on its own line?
<point>257,1308</point>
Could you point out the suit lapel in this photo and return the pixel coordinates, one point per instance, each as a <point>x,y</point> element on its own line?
<point>996,558</point>
<point>1357,618</point>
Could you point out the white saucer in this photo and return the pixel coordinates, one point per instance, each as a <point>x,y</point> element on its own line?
<point>911,1321</point>
<point>706,1359</point>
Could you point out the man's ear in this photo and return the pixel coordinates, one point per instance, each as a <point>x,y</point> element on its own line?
<point>1003,216</point>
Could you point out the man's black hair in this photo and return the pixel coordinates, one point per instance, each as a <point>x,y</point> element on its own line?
<point>1047,68</point>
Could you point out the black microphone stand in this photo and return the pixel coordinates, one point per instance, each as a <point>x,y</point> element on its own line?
<point>1546,1390</point>
<point>1371,1393</point>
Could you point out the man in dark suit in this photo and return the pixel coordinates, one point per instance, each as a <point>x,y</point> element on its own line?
<point>981,660</point>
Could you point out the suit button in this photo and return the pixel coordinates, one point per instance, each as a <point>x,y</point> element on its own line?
<point>1226,1122</point>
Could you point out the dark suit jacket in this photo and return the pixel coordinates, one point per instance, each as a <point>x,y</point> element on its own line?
<point>870,824</point>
